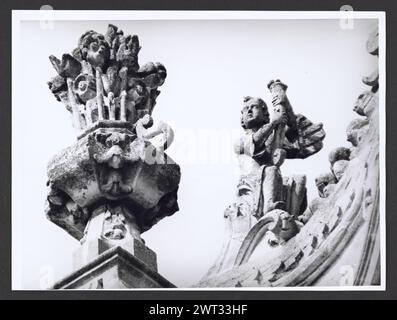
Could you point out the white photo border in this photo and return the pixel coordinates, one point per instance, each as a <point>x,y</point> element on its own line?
<point>19,16</point>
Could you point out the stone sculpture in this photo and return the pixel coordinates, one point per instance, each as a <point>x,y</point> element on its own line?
<point>102,79</point>
<point>116,181</point>
<point>278,240</point>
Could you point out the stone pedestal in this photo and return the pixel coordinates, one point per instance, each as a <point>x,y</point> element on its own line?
<point>92,249</point>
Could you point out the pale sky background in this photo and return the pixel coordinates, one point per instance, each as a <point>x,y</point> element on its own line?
<point>211,66</point>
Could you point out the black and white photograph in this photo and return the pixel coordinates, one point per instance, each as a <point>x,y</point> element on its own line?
<point>198,150</point>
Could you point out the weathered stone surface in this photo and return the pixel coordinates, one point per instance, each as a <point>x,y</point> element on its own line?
<point>115,268</point>
<point>340,153</point>
<point>339,168</point>
<point>356,130</point>
<point>326,182</point>
<point>295,194</point>
<point>116,181</point>
<point>112,164</point>
<point>347,213</point>
<point>329,189</point>
<point>373,42</point>
<point>102,80</point>
<point>311,136</point>
<point>91,249</point>
<point>267,207</point>
<point>310,255</point>
<point>68,67</point>
<point>323,181</point>
<point>372,80</point>
<point>278,225</point>
<point>366,103</point>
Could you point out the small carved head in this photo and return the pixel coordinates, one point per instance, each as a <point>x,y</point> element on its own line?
<point>353,131</point>
<point>114,227</point>
<point>373,42</point>
<point>254,113</point>
<point>322,181</point>
<point>289,227</point>
<point>153,74</point>
<point>94,48</point>
<point>84,86</point>
<point>362,102</point>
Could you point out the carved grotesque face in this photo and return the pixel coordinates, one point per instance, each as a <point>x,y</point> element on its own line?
<point>98,53</point>
<point>254,113</point>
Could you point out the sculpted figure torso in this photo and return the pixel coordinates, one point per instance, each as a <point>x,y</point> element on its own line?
<point>257,143</point>
<point>267,141</point>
